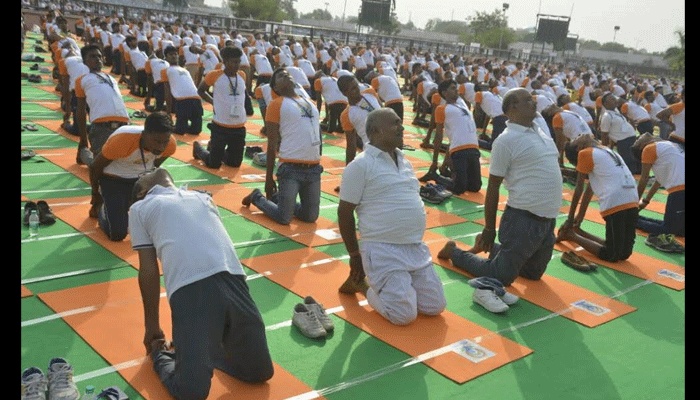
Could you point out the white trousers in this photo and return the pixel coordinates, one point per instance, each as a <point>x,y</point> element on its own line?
<point>403,281</point>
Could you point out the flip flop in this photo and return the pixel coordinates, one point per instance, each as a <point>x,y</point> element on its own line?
<point>27,154</point>
<point>30,127</point>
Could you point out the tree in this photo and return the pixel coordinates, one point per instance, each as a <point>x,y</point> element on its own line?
<point>287,7</point>
<point>263,10</point>
<point>318,14</point>
<point>490,29</point>
<point>675,56</point>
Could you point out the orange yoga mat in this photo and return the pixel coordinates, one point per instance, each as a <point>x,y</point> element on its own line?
<point>65,158</point>
<point>74,212</point>
<point>244,173</point>
<point>321,232</point>
<point>25,292</point>
<point>114,329</point>
<point>577,304</point>
<point>639,265</point>
<point>308,272</point>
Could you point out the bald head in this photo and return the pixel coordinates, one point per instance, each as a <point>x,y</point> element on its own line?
<point>519,106</point>
<point>384,129</point>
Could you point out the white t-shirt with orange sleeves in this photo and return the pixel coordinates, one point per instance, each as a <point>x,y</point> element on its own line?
<point>300,134</point>
<point>74,67</point>
<point>490,103</point>
<point>264,92</point>
<point>181,83</point>
<point>306,66</point>
<point>228,98</point>
<point>190,57</point>
<point>328,87</point>
<point>388,89</point>
<point>123,149</point>
<point>466,89</point>
<point>584,95</point>
<point>299,76</point>
<point>154,66</point>
<point>616,125</point>
<point>653,109</point>
<point>459,125</point>
<point>635,112</point>
<point>138,59</point>
<point>354,117</point>
<point>102,96</point>
<point>667,161</point>
<point>261,64</point>
<point>611,180</point>
<point>424,88</point>
<point>209,60</point>
<point>678,119</point>
<point>571,124</point>
<point>359,63</point>
<point>283,59</point>
<point>580,110</point>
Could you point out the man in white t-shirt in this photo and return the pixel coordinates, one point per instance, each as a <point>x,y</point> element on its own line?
<point>380,186</point>
<point>617,132</point>
<point>613,184</point>
<point>215,321</point>
<point>525,159</point>
<point>188,104</point>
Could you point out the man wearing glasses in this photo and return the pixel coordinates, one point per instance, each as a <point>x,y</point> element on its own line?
<point>129,152</point>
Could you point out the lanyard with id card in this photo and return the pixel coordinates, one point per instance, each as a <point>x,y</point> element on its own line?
<point>315,131</point>
<point>108,81</point>
<point>628,181</point>
<point>237,110</point>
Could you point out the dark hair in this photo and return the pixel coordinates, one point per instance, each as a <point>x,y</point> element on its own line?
<point>143,46</point>
<point>169,49</point>
<point>344,82</point>
<point>231,52</point>
<point>158,122</point>
<point>88,48</point>
<point>273,78</point>
<point>442,87</point>
<point>571,153</point>
<point>560,100</point>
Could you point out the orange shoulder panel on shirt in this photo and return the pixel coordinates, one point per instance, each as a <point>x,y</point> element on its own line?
<point>318,85</point>
<point>345,120</point>
<point>164,75</point>
<point>242,74</point>
<point>649,154</point>
<point>79,92</point>
<point>272,114</point>
<point>557,121</point>
<point>599,101</point>
<point>62,67</point>
<point>440,114</point>
<point>212,76</point>
<point>677,107</point>
<point>375,83</point>
<point>478,97</point>
<point>461,89</point>
<point>258,92</point>
<point>585,161</point>
<point>120,145</point>
<point>436,99</point>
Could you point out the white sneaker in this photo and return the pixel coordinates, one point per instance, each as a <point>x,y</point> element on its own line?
<point>307,322</point>
<point>61,385</point>
<point>509,298</point>
<point>489,300</point>
<point>34,384</point>
<point>320,313</point>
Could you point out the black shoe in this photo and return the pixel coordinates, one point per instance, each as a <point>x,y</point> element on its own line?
<point>250,151</point>
<point>46,216</point>
<point>28,208</point>
<point>196,150</point>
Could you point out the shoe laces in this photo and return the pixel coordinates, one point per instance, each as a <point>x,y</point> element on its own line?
<point>34,386</point>
<point>60,376</point>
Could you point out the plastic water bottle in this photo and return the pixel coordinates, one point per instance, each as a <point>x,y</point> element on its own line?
<point>89,393</point>
<point>33,224</point>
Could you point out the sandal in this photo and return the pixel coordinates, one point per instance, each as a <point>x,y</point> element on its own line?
<point>139,114</point>
<point>30,127</point>
<point>576,262</point>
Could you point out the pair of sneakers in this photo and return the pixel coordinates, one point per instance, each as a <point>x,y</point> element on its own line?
<point>57,383</point>
<point>434,194</point>
<point>491,294</point>
<point>42,208</point>
<point>665,242</point>
<point>311,319</point>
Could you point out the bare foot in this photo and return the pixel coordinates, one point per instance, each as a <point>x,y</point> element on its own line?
<point>446,252</point>
<point>563,234</point>
<point>337,189</point>
<point>249,198</point>
<point>476,249</point>
<point>350,286</point>
<point>94,211</point>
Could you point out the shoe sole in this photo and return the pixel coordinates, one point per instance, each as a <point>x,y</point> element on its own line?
<point>670,251</point>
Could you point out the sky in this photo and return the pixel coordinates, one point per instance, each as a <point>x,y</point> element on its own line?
<point>643,24</point>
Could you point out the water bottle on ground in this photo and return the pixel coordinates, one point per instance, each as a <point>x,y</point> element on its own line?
<point>34,224</point>
<point>89,393</point>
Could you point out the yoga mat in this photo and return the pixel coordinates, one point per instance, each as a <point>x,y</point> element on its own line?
<point>318,233</point>
<point>112,323</point>
<point>550,293</point>
<point>244,173</point>
<point>25,292</point>
<point>308,272</point>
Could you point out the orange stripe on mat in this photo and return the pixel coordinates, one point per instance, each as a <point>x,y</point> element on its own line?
<point>65,158</point>
<point>74,212</point>
<point>321,232</point>
<point>25,292</point>
<point>638,265</point>
<point>308,272</point>
<point>550,293</point>
<point>115,331</point>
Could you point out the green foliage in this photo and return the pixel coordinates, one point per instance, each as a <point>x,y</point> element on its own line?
<point>263,10</point>
<point>675,56</point>
<point>318,14</point>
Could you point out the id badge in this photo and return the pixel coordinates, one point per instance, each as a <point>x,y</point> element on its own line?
<point>237,111</point>
<point>315,135</point>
